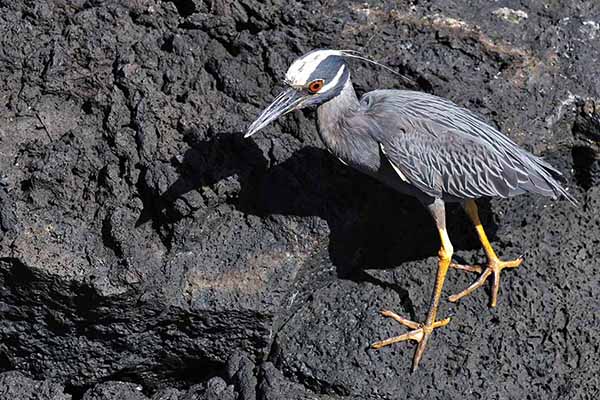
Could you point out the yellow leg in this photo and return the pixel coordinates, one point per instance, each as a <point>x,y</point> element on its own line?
<point>495,265</point>
<point>422,332</point>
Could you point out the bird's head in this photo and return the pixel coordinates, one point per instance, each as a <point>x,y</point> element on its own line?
<point>312,79</point>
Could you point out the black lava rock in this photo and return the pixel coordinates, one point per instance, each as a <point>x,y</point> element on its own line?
<point>147,251</point>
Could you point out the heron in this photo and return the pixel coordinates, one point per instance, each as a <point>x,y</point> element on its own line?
<point>421,145</point>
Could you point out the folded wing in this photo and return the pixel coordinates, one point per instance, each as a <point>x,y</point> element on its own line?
<point>444,149</point>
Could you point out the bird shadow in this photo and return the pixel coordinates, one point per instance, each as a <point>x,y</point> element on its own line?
<point>370,225</point>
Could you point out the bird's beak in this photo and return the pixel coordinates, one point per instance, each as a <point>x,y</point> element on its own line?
<point>287,101</point>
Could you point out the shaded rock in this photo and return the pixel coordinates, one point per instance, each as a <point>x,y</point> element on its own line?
<point>274,385</point>
<point>167,394</point>
<point>242,372</point>
<point>587,123</point>
<point>215,389</point>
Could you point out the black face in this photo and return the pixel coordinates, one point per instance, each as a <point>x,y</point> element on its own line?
<point>314,79</point>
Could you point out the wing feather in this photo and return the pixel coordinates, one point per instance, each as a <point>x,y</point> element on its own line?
<point>444,149</point>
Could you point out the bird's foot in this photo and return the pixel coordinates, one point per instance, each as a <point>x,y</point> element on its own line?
<point>494,267</point>
<point>420,333</point>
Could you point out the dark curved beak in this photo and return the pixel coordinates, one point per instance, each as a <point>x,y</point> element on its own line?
<point>287,101</point>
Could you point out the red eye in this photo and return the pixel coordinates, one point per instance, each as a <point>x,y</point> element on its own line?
<point>315,86</point>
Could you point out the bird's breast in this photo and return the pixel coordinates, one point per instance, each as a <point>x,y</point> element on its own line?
<point>362,153</point>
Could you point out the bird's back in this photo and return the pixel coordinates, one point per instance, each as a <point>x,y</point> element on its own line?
<point>446,150</point>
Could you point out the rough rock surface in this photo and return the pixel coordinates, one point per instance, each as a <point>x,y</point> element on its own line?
<point>15,385</point>
<point>147,251</point>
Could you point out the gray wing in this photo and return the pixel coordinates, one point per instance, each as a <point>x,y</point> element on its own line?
<point>440,161</point>
<point>444,149</point>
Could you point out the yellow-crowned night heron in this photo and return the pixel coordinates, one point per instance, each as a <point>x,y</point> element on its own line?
<point>421,145</point>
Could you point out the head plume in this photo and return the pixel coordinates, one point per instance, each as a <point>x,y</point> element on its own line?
<point>356,54</point>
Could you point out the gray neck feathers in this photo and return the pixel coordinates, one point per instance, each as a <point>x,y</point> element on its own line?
<point>331,115</point>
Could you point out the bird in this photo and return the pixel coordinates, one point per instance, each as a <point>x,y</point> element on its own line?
<point>423,146</point>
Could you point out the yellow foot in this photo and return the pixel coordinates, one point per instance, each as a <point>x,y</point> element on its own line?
<point>494,267</point>
<point>419,333</point>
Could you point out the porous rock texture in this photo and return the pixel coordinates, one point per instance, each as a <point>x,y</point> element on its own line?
<point>147,251</point>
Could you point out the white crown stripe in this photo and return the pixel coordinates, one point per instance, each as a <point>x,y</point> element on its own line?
<point>301,69</point>
<point>334,81</point>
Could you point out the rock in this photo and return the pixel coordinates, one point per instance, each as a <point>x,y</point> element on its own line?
<point>143,240</point>
<point>15,385</point>
<point>274,385</point>
<point>510,15</point>
<point>215,389</point>
<point>115,391</point>
<point>588,121</point>
<point>242,372</point>
<point>167,394</point>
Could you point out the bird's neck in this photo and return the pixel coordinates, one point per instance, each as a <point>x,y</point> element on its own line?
<point>332,113</point>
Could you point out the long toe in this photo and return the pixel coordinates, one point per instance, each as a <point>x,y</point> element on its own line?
<point>499,266</point>
<point>495,266</point>
<point>419,333</point>
<point>469,268</point>
<point>419,351</point>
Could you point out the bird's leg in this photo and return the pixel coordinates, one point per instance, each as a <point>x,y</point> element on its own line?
<point>495,265</point>
<point>422,332</point>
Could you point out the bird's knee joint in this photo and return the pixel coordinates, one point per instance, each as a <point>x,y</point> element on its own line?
<point>446,252</point>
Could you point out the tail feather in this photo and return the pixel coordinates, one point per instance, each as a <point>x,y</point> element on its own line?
<point>545,179</point>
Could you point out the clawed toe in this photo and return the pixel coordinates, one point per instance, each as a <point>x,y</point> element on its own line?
<point>494,267</point>
<point>420,333</point>
<point>469,268</point>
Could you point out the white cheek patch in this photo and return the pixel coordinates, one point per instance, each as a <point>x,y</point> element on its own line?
<point>332,83</point>
<point>302,68</point>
